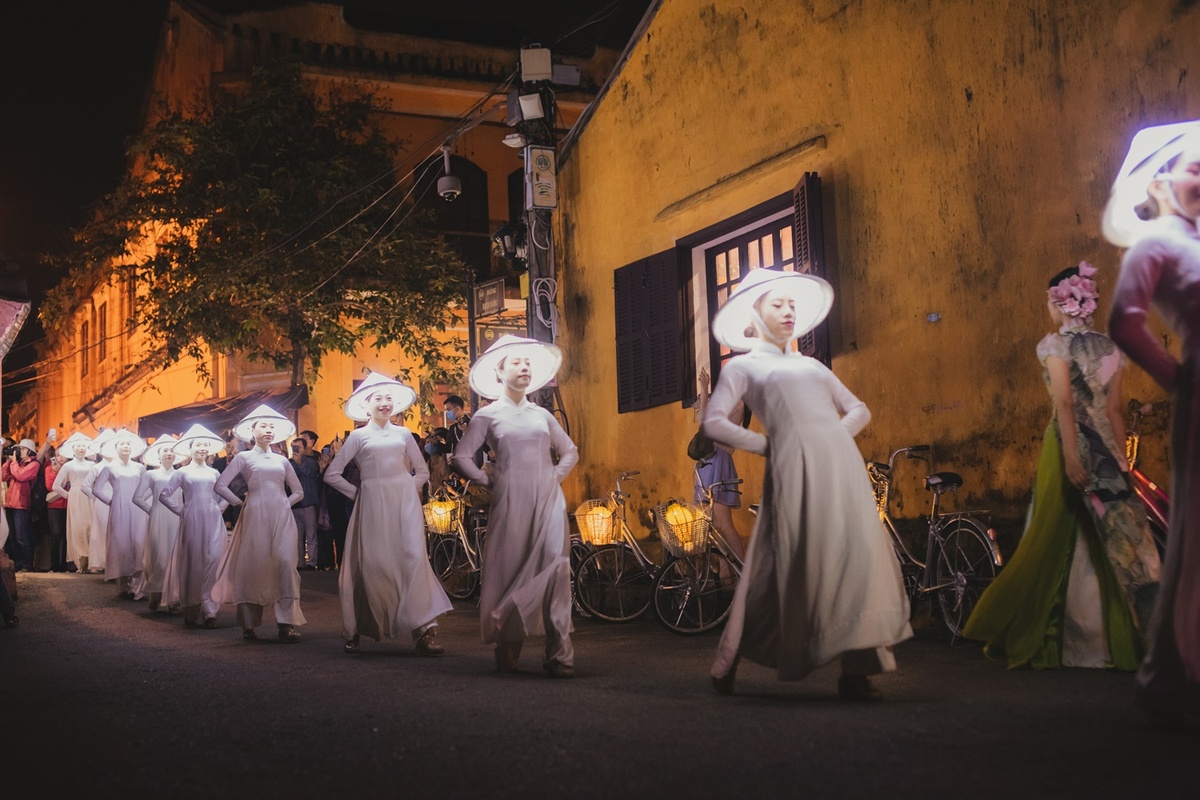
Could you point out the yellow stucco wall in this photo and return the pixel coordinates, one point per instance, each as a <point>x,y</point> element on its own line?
<point>970,147</point>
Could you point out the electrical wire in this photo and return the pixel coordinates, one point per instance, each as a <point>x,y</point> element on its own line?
<point>544,291</point>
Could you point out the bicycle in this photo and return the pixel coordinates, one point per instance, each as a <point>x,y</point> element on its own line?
<point>961,557</point>
<point>695,587</point>
<point>455,557</point>
<point>1153,497</point>
<point>615,582</point>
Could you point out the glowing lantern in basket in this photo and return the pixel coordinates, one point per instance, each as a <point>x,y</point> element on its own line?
<point>688,525</point>
<point>678,515</point>
<point>439,515</point>
<point>596,524</point>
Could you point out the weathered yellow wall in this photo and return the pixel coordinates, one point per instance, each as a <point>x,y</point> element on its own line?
<point>970,150</point>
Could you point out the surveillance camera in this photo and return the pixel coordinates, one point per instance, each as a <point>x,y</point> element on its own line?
<point>449,187</point>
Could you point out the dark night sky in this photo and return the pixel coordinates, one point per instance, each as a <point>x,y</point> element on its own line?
<point>73,75</point>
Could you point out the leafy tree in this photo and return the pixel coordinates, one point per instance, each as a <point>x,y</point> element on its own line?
<point>271,222</point>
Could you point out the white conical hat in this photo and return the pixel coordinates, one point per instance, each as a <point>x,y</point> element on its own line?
<point>1149,152</point>
<point>153,455</point>
<point>544,361</point>
<point>356,406</point>
<point>100,438</point>
<point>67,448</point>
<point>109,448</point>
<point>193,434</point>
<point>813,297</point>
<point>284,427</point>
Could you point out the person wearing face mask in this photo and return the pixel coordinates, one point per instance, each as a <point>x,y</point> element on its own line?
<point>820,581</point>
<point>258,567</point>
<point>526,580</point>
<point>386,584</point>
<point>1153,210</point>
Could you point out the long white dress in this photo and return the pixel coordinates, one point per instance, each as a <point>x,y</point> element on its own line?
<point>97,549</point>
<point>1162,271</point>
<point>115,488</point>
<point>162,527</point>
<point>386,585</point>
<point>526,580</point>
<point>820,578</point>
<point>201,541</point>
<point>259,565</point>
<point>74,474</point>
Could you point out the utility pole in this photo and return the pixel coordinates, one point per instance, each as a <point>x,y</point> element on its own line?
<point>533,110</point>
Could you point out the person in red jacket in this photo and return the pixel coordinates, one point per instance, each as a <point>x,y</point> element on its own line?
<point>20,470</point>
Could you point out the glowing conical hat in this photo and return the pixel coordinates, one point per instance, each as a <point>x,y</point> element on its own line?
<point>403,396</point>
<point>1149,152</point>
<point>109,448</point>
<point>98,442</point>
<point>194,434</point>
<point>813,297</point>
<point>544,361</point>
<point>153,455</point>
<point>283,426</point>
<point>67,448</point>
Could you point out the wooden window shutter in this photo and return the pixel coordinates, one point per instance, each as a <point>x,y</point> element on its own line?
<point>809,242</point>
<point>648,311</point>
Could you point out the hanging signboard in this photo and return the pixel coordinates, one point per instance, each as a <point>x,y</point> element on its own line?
<point>489,298</point>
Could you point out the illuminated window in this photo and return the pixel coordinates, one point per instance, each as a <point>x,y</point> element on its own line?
<point>84,330</point>
<point>102,332</point>
<point>729,262</point>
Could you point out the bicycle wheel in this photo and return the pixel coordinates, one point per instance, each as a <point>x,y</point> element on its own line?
<point>611,584</point>
<point>694,594</point>
<point>580,550</point>
<point>450,564</point>
<point>965,567</point>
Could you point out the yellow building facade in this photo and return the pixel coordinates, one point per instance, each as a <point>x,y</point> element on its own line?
<point>86,379</point>
<point>965,151</point>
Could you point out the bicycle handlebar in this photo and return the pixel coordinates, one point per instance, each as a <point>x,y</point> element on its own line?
<point>913,451</point>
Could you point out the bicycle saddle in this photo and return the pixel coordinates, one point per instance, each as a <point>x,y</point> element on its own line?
<point>943,482</point>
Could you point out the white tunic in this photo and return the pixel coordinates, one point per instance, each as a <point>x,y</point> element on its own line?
<point>115,488</point>
<point>386,584</point>
<point>201,540</point>
<point>526,563</point>
<point>74,474</point>
<point>98,530</point>
<point>162,529</point>
<point>259,566</point>
<point>820,577</point>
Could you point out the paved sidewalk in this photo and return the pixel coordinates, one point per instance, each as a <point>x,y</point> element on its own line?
<point>101,698</point>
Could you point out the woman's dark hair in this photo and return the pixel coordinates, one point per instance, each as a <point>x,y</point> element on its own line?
<point>1062,276</point>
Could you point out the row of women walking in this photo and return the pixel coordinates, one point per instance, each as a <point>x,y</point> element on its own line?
<point>820,581</point>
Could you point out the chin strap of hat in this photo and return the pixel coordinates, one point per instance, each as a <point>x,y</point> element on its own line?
<point>1167,179</point>
<point>765,332</point>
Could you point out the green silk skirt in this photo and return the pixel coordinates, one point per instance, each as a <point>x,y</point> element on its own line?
<point>1020,616</point>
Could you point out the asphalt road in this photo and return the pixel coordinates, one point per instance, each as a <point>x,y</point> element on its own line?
<point>101,698</point>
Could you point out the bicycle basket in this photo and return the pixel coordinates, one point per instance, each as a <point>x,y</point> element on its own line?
<point>441,514</point>
<point>682,527</point>
<point>595,521</point>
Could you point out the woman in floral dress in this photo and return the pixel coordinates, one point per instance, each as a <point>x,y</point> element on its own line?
<point>1081,587</point>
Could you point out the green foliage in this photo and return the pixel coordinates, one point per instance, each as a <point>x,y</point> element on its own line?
<point>274,234</point>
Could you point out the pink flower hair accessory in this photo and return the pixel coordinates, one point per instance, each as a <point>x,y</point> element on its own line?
<point>1075,292</point>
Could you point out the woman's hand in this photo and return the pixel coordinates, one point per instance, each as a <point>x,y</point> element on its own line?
<point>1077,475</point>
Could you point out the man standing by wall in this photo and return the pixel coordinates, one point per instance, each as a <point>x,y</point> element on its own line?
<point>308,469</point>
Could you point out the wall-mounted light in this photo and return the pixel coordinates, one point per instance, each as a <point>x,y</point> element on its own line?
<point>510,242</point>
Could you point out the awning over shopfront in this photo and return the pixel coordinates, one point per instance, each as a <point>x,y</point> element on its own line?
<point>223,414</point>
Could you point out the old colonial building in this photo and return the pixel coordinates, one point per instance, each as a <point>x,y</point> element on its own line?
<point>937,161</point>
<point>88,379</point>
